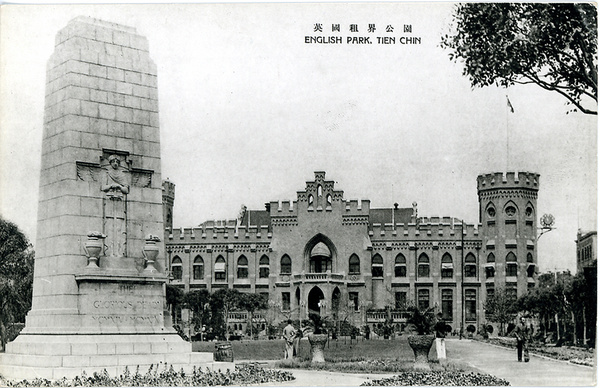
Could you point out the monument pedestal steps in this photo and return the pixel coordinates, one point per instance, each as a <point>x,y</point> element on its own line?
<point>57,356</point>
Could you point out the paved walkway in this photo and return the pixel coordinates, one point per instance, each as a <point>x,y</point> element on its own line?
<point>502,362</point>
<point>494,360</point>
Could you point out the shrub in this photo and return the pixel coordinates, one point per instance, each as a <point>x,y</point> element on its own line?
<point>423,322</point>
<point>438,379</point>
<point>168,377</point>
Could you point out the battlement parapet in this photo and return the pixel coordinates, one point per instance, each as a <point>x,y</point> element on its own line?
<point>426,227</point>
<point>168,189</point>
<point>500,180</point>
<point>219,233</point>
<point>283,208</point>
<point>356,207</point>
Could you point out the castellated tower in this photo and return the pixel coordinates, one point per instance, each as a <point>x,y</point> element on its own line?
<point>168,198</point>
<point>508,214</point>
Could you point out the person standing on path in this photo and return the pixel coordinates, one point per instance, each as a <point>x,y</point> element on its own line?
<point>289,333</point>
<point>522,336</point>
<point>297,337</point>
<point>440,337</point>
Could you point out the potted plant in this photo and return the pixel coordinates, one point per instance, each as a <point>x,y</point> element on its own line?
<point>318,337</point>
<point>421,324</point>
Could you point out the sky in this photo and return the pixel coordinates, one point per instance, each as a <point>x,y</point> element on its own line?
<point>248,111</point>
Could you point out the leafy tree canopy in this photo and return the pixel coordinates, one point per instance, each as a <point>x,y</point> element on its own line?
<point>500,308</point>
<point>550,45</point>
<point>196,300</point>
<point>16,276</point>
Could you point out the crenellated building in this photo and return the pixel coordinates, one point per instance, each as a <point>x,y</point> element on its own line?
<point>343,258</point>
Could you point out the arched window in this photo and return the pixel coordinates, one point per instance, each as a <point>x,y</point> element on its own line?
<point>400,266</point>
<point>511,264</point>
<point>470,266</point>
<point>177,268</point>
<point>529,258</point>
<point>286,265</point>
<point>242,267</point>
<point>377,266</point>
<point>529,211</point>
<point>263,267</point>
<point>220,269</point>
<point>491,211</point>
<point>320,258</point>
<point>320,191</point>
<point>423,266</point>
<point>198,268</point>
<point>510,209</point>
<point>447,266</point>
<point>490,267</point>
<point>329,200</point>
<point>354,264</point>
<point>311,201</point>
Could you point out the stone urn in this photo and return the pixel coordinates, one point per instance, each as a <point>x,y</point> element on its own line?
<point>421,344</point>
<point>94,247</point>
<point>317,345</point>
<point>150,251</point>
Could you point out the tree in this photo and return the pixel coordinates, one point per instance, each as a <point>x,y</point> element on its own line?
<point>542,302</point>
<point>222,303</point>
<point>252,303</point>
<point>174,297</point>
<point>16,277</point>
<point>550,45</point>
<point>197,301</point>
<point>500,308</point>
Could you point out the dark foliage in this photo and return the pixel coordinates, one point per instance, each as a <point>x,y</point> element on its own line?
<point>16,277</point>
<point>438,379</point>
<point>421,321</point>
<point>552,45</point>
<point>168,377</point>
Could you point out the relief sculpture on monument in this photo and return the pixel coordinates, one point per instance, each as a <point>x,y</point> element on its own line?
<point>115,184</point>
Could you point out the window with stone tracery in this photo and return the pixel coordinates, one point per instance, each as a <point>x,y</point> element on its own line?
<point>177,268</point>
<point>198,268</point>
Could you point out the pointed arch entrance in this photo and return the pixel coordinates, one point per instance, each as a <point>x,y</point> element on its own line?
<point>315,296</point>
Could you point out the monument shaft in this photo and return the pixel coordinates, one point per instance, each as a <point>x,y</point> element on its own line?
<point>99,277</point>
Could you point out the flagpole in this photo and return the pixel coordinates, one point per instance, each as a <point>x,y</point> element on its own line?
<point>507,138</point>
<point>512,110</point>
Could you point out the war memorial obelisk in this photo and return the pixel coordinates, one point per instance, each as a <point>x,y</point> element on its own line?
<point>99,278</point>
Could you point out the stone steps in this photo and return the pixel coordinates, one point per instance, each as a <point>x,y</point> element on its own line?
<point>56,356</point>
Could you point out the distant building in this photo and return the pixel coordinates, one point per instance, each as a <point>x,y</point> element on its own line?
<point>343,258</point>
<point>587,252</point>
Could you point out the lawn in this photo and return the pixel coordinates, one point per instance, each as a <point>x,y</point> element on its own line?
<point>335,350</point>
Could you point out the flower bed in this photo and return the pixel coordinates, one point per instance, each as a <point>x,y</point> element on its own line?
<point>438,379</point>
<point>572,354</point>
<point>168,377</point>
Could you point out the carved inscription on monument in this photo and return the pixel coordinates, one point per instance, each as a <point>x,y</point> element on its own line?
<point>121,305</point>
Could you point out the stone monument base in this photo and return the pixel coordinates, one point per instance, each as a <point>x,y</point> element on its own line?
<point>54,356</point>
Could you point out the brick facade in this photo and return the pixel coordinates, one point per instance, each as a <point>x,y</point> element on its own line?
<point>341,250</point>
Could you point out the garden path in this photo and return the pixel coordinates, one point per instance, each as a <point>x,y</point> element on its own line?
<point>502,362</point>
